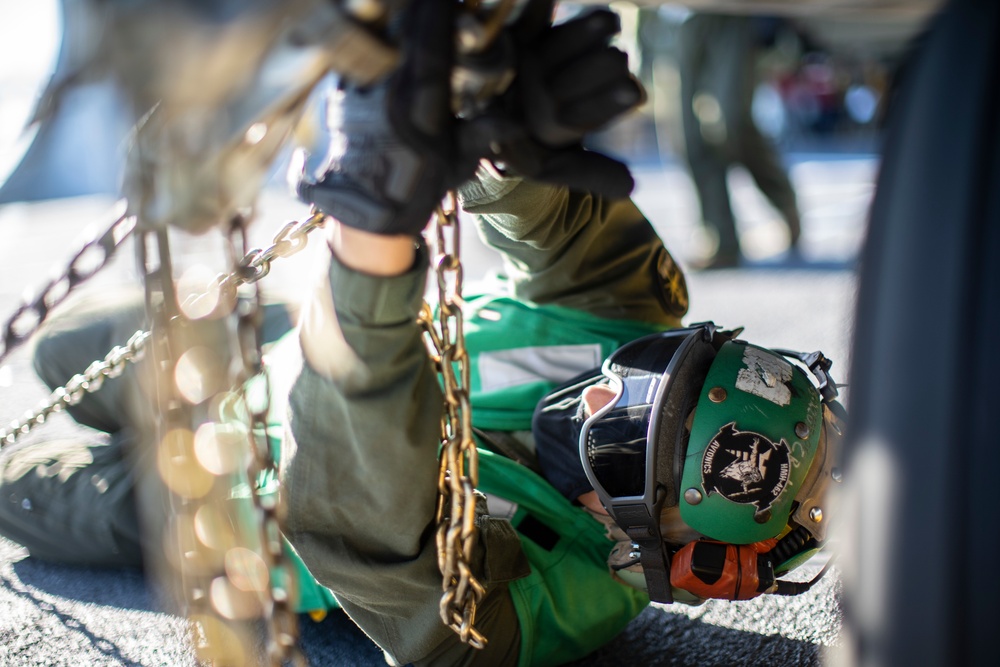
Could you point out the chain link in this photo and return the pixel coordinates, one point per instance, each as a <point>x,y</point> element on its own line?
<point>72,392</point>
<point>290,239</point>
<point>256,264</point>
<point>280,617</point>
<point>172,427</point>
<point>87,262</point>
<point>459,471</point>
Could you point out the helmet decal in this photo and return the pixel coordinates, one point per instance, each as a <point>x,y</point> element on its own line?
<point>755,411</point>
<point>765,375</point>
<point>745,467</point>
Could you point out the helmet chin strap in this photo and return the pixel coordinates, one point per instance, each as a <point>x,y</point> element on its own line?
<point>644,531</point>
<point>656,569</point>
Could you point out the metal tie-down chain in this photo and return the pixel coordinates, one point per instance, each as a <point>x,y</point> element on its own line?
<point>87,262</point>
<point>254,265</point>
<point>184,491</point>
<point>229,559</point>
<point>459,471</point>
<point>279,614</point>
<point>79,385</point>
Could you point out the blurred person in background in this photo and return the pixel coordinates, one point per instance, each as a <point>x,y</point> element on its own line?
<point>716,57</point>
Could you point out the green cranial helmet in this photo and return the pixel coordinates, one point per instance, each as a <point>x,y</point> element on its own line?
<point>715,455</point>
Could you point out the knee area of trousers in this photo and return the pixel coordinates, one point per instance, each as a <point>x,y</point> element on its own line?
<point>45,353</point>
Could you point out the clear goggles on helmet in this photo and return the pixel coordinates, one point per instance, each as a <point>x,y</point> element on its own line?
<point>629,448</point>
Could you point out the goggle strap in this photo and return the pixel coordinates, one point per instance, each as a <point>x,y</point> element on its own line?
<point>656,569</point>
<point>819,365</point>
<point>643,528</point>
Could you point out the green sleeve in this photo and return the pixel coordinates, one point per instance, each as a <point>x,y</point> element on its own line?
<point>359,471</point>
<point>577,250</point>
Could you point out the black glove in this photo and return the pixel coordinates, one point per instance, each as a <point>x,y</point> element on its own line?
<point>569,82</point>
<point>396,145</point>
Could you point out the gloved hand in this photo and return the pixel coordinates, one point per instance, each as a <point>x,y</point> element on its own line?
<point>569,82</point>
<point>396,145</point>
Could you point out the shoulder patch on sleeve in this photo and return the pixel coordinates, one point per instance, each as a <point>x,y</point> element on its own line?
<point>671,285</point>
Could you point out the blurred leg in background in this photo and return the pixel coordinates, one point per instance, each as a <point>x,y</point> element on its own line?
<point>716,57</point>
